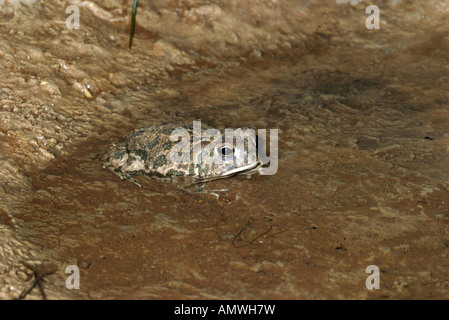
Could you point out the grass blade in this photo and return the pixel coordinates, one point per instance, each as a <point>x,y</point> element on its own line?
<point>133,24</point>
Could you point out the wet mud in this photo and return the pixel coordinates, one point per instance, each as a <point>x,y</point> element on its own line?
<point>363,172</point>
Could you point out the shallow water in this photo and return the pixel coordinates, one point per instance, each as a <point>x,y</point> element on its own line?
<point>362,178</point>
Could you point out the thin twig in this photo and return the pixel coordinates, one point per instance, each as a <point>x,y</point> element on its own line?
<point>38,278</point>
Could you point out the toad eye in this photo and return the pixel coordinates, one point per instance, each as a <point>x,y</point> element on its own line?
<point>226,151</point>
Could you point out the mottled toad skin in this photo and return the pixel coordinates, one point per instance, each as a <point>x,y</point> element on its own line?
<point>145,152</point>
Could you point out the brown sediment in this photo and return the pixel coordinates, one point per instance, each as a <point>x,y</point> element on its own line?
<point>363,167</point>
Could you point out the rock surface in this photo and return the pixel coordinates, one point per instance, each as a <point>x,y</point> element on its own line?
<point>363,172</point>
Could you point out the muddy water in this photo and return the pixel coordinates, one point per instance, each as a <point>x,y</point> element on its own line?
<point>363,167</point>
